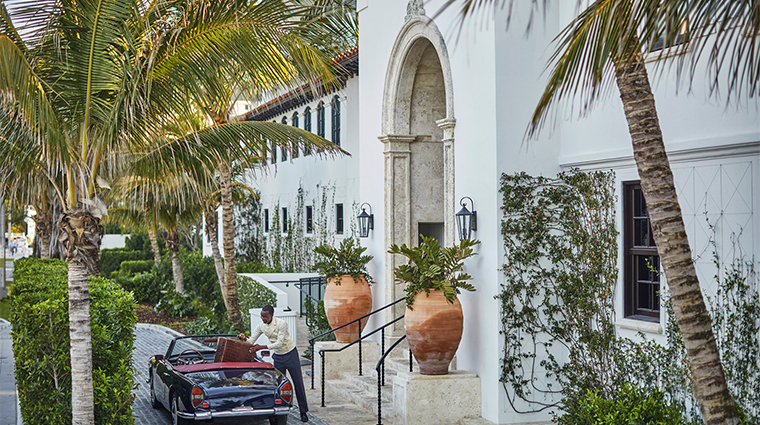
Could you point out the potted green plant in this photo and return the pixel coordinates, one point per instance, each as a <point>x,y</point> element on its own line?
<point>433,319</point>
<point>348,295</point>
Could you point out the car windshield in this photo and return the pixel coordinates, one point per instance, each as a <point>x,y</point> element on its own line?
<point>204,344</point>
<point>236,377</point>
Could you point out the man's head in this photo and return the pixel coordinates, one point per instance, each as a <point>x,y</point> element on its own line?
<point>267,312</point>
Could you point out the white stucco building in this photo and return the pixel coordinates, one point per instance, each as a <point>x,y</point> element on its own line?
<point>431,116</point>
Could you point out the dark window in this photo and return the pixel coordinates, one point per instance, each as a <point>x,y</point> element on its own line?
<point>335,115</point>
<point>677,33</point>
<point>274,152</point>
<point>339,219</point>
<point>266,220</point>
<point>641,263</point>
<point>309,220</point>
<point>283,149</point>
<point>284,220</point>
<point>307,127</point>
<point>321,119</point>
<point>294,123</point>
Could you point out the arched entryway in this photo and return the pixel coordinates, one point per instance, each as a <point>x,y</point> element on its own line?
<point>418,137</point>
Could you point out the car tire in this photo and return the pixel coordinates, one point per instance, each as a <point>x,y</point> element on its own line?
<point>153,400</point>
<point>278,420</point>
<point>176,420</point>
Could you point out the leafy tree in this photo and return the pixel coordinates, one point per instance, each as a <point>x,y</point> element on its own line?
<point>88,86</point>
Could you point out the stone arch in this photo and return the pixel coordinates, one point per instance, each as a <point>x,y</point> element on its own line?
<point>418,135</point>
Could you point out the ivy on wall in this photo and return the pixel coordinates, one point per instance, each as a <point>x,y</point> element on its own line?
<point>557,307</point>
<point>293,251</point>
<point>561,269</point>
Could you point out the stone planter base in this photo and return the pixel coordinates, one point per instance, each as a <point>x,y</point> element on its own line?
<point>436,399</point>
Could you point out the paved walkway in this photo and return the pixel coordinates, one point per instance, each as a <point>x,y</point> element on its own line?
<point>8,405</point>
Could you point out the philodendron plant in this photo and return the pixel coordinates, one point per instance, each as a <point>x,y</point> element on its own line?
<point>431,267</point>
<point>347,259</point>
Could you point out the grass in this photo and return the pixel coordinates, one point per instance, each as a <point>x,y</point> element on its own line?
<point>5,303</point>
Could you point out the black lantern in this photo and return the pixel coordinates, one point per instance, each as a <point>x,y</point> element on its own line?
<point>467,222</point>
<point>366,221</point>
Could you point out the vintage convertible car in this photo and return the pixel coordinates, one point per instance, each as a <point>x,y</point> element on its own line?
<point>189,383</point>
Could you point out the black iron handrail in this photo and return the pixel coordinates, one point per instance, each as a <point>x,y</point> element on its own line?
<point>381,376</point>
<point>358,341</point>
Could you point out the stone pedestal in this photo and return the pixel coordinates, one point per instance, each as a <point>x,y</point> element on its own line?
<point>435,399</point>
<point>346,360</point>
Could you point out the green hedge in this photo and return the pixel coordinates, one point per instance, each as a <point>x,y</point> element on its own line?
<point>111,259</point>
<point>39,310</point>
<point>136,266</point>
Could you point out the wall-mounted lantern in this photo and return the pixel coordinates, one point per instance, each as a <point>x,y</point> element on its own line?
<point>467,221</point>
<point>366,221</point>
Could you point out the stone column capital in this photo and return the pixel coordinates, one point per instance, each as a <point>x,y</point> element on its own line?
<point>397,143</point>
<point>447,125</point>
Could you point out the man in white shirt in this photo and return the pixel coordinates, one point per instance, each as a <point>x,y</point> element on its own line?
<point>285,355</point>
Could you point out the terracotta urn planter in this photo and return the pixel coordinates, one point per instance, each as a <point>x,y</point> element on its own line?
<point>348,301</point>
<point>434,330</point>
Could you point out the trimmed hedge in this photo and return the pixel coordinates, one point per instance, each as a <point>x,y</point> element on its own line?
<point>136,266</point>
<point>111,259</point>
<point>39,313</point>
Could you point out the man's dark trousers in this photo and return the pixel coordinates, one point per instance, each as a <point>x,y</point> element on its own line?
<point>292,364</point>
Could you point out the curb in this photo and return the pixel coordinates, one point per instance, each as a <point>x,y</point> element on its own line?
<point>159,328</point>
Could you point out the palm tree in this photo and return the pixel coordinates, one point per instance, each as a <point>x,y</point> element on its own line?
<point>611,36</point>
<point>88,77</point>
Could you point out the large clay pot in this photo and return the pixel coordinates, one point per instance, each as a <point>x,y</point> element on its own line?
<point>434,330</point>
<point>346,302</point>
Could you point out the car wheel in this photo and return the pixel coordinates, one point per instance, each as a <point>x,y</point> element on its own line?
<point>153,400</point>
<point>278,420</point>
<point>176,420</point>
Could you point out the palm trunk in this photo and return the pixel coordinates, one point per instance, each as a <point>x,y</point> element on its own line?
<point>154,247</point>
<point>43,224</point>
<point>212,228</point>
<point>80,236</point>
<point>172,244</point>
<point>715,401</point>
<point>82,392</point>
<point>230,274</point>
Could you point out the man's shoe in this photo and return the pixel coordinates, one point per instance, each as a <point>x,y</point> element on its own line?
<point>304,417</point>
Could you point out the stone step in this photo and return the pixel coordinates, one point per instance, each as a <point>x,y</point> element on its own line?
<point>367,382</point>
<point>362,391</point>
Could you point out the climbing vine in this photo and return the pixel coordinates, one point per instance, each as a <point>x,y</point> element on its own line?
<point>557,307</point>
<point>561,268</point>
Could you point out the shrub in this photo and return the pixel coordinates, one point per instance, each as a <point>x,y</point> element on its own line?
<point>254,266</point>
<point>111,259</point>
<point>39,310</point>
<point>629,406</point>
<point>208,324</point>
<point>133,267</point>
<point>144,286</point>
<point>175,304</point>
<point>316,320</point>
<point>252,294</point>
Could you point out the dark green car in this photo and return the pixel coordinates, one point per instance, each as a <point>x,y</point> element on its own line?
<point>193,387</point>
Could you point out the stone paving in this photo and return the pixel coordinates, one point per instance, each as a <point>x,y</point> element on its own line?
<point>8,405</point>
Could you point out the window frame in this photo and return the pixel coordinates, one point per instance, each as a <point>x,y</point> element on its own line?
<point>632,255</point>
<point>309,220</point>
<point>307,127</point>
<point>284,219</point>
<point>339,220</point>
<point>335,119</point>
<point>266,220</point>
<point>321,119</point>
